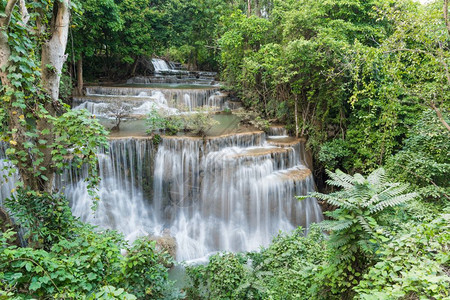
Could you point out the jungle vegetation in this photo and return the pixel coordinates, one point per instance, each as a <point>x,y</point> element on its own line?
<point>367,82</point>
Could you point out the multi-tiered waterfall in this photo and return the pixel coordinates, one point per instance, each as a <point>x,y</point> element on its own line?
<point>227,192</point>
<point>232,192</point>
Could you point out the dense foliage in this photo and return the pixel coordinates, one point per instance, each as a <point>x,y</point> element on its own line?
<point>367,82</point>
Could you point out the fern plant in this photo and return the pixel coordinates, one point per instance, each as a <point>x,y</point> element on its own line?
<point>353,225</point>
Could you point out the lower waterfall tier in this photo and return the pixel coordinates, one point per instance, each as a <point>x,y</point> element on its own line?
<point>228,193</point>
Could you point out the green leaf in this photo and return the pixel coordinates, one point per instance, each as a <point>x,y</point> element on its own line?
<point>35,285</point>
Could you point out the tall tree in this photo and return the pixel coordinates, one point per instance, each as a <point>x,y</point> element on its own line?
<point>40,131</point>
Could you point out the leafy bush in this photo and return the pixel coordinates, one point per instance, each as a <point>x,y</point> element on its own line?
<point>293,261</point>
<point>77,267</point>
<point>414,264</point>
<point>333,153</point>
<point>284,270</point>
<point>424,160</point>
<point>200,121</point>
<point>45,218</point>
<point>161,122</point>
<point>250,117</point>
<point>219,279</point>
<point>354,225</point>
<point>73,260</point>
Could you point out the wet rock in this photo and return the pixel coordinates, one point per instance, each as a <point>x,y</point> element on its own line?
<point>166,243</point>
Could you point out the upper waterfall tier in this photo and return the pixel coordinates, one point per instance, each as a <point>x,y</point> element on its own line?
<point>170,72</point>
<point>139,101</point>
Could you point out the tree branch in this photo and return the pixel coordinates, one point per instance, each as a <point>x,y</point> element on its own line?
<point>24,12</point>
<point>4,22</point>
<point>439,115</point>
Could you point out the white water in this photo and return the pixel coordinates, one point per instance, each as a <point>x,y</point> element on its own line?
<point>7,180</point>
<point>275,131</point>
<point>230,193</point>
<point>101,101</point>
<point>232,198</point>
<point>123,206</point>
<point>160,65</point>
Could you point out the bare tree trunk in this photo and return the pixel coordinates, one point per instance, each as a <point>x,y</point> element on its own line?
<point>80,83</point>
<point>249,8</point>
<point>53,50</point>
<point>134,67</point>
<point>257,8</point>
<point>52,60</point>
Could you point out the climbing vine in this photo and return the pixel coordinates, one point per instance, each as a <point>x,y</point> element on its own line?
<point>42,134</point>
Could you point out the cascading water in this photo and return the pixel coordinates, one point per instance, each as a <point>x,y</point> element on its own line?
<point>232,193</point>
<point>125,171</point>
<point>100,100</point>
<point>277,131</point>
<point>160,65</point>
<point>7,180</point>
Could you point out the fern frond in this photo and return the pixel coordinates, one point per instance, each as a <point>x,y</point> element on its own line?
<point>340,179</point>
<point>359,179</point>
<point>393,201</point>
<point>338,241</point>
<point>333,200</point>
<point>365,247</point>
<point>335,225</point>
<point>394,189</point>
<point>377,177</point>
<point>364,224</point>
<point>373,200</point>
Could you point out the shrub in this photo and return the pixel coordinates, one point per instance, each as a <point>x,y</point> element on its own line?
<point>414,264</point>
<point>44,218</point>
<point>201,121</point>
<point>162,122</point>
<point>250,117</point>
<point>89,261</point>
<point>284,270</point>
<point>354,225</point>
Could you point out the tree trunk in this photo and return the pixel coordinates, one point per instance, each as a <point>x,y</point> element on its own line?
<point>257,8</point>
<point>5,50</point>
<point>134,67</point>
<point>52,61</point>
<point>249,8</point>
<point>80,83</point>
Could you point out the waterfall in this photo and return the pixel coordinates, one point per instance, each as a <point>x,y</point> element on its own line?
<point>99,100</point>
<point>7,180</point>
<point>160,65</point>
<point>230,193</point>
<point>125,170</point>
<point>277,131</point>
